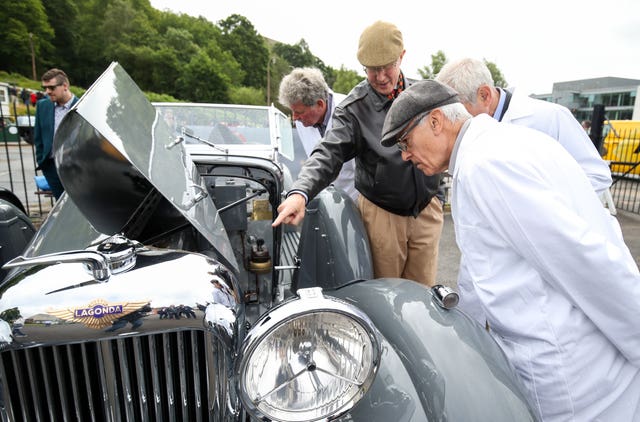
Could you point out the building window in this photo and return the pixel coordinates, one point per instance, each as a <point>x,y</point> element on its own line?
<point>617,99</point>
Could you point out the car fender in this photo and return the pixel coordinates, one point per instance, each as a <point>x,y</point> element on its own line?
<point>454,362</point>
<point>334,246</point>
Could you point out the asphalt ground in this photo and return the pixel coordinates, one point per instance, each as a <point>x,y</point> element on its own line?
<point>449,254</point>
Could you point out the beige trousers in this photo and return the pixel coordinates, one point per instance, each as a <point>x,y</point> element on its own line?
<point>404,247</point>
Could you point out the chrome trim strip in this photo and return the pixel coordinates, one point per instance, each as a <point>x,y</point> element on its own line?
<point>88,392</point>
<point>7,409</point>
<point>21,390</point>
<point>73,380</point>
<point>126,389</point>
<point>32,379</point>
<point>168,364</point>
<point>141,380</point>
<point>182,405</point>
<point>155,376</point>
<point>110,395</point>
<point>213,399</point>
<point>64,400</point>
<point>48,382</point>
<point>195,376</point>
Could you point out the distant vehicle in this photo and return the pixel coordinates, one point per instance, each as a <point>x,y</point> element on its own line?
<point>622,146</point>
<point>12,131</point>
<point>4,98</point>
<point>25,127</point>
<point>8,130</point>
<point>16,229</point>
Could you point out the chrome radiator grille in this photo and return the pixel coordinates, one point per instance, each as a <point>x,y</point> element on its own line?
<point>172,376</point>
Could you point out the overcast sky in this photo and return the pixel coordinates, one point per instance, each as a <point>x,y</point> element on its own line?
<point>534,44</point>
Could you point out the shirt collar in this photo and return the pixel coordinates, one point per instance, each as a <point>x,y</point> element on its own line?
<point>67,104</point>
<point>456,146</point>
<point>498,112</point>
<point>322,127</point>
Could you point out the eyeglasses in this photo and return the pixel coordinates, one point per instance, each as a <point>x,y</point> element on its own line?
<point>402,139</point>
<point>377,69</point>
<point>50,87</point>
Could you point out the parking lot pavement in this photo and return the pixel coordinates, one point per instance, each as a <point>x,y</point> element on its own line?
<point>449,254</point>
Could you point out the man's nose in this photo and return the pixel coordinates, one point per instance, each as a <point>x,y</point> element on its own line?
<point>381,76</point>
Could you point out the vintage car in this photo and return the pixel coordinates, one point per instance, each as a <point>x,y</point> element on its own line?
<point>157,288</point>
<point>25,127</point>
<point>8,130</point>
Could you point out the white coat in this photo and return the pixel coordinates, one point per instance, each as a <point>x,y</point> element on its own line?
<point>543,264</point>
<point>558,122</point>
<point>310,136</point>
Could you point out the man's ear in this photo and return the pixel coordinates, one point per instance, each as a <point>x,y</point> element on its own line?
<point>484,94</point>
<point>435,121</point>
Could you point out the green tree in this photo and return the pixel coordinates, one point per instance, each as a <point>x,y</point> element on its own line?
<point>159,49</point>
<point>437,61</point>
<point>246,95</point>
<point>90,59</point>
<point>345,80</point>
<point>24,22</point>
<point>496,74</point>
<point>298,55</point>
<point>182,37</point>
<point>248,47</point>
<point>63,18</point>
<point>278,68</point>
<point>175,49</point>
<point>201,81</point>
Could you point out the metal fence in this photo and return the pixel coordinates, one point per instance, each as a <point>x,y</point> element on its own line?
<point>18,164</point>
<point>622,151</point>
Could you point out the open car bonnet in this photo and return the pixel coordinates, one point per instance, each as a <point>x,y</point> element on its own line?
<point>117,160</point>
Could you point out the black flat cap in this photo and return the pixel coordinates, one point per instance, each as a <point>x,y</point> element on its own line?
<point>420,97</point>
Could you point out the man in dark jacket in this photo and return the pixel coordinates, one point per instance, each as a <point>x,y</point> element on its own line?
<point>49,114</point>
<point>398,203</point>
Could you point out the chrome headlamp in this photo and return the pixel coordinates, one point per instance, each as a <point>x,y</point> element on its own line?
<point>309,359</point>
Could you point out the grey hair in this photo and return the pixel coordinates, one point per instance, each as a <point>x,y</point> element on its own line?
<point>453,112</point>
<point>465,76</point>
<point>305,85</point>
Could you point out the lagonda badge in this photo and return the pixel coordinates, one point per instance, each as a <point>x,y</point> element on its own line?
<point>98,313</point>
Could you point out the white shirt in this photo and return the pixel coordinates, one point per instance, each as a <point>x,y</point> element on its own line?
<point>310,136</point>
<point>558,122</point>
<point>60,110</point>
<point>545,266</point>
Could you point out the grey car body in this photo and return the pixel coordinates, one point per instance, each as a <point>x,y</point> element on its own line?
<point>157,282</point>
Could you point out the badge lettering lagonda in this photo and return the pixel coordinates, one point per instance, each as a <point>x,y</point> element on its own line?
<point>98,313</point>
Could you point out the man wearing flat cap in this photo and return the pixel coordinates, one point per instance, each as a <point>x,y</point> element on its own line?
<point>400,209</point>
<point>543,264</point>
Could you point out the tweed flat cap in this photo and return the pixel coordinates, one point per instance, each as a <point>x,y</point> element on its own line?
<point>380,44</point>
<point>420,97</point>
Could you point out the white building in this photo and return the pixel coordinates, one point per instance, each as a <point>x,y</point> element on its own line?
<point>618,95</point>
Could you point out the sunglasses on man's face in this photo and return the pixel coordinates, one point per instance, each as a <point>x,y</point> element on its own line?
<point>50,87</point>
